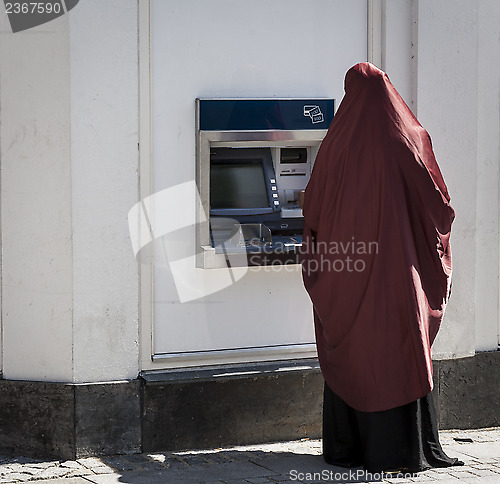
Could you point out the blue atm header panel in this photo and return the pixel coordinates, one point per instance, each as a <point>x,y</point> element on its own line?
<point>265,114</point>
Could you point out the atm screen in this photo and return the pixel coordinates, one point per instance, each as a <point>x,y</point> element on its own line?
<point>235,185</point>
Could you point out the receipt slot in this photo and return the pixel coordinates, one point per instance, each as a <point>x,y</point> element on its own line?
<point>253,158</point>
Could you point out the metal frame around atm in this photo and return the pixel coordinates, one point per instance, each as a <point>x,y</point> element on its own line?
<point>205,139</point>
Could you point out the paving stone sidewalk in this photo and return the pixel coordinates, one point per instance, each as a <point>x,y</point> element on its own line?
<point>298,461</point>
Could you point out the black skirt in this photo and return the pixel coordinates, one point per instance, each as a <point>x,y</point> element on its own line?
<point>400,439</point>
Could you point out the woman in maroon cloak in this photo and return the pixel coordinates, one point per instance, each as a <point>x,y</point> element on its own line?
<point>377,266</point>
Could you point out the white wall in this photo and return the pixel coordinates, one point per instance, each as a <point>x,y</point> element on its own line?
<point>447,83</point>
<point>69,161</point>
<point>278,48</point>
<point>397,46</point>
<point>37,277</point>
<point>441,56</point>
<point>104,158</point>
<point>488,154</point>
<point>69,155</point>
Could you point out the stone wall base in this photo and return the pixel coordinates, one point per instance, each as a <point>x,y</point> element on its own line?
<point>211,407</point>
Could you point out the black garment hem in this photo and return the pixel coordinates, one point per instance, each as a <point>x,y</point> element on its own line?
<point>403,439</point>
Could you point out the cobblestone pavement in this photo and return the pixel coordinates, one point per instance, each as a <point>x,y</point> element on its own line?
<point>298,461</point>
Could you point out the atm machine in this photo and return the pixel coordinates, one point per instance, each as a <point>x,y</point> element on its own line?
<point>254,156</point>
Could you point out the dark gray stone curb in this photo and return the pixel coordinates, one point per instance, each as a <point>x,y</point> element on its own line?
<point>210,408</point>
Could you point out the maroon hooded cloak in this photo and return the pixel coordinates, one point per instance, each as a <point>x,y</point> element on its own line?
<point>377,257</point>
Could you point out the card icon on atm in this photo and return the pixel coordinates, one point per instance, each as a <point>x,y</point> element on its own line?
<point>314,112</point>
